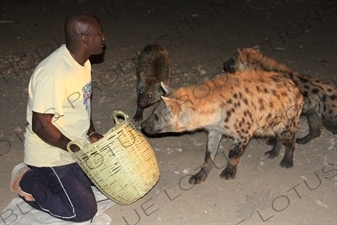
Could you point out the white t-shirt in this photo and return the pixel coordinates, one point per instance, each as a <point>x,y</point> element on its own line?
<point>59,86</point>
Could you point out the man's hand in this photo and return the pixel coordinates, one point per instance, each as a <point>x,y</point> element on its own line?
<point>94,136</point>
<point>74,148</point>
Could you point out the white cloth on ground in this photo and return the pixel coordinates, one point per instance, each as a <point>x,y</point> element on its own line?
<point>19,212</point>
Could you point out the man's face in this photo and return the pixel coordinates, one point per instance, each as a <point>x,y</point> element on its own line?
<point>95,37</point>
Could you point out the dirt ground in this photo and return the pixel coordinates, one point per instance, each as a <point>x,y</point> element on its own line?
<point>199,35</point>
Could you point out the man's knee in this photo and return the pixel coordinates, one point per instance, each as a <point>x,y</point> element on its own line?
<point>86,213</point>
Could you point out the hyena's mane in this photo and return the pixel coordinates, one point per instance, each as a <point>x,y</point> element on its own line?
<point>252,58</point>
<point>225,91</point>
<point>207,89</point>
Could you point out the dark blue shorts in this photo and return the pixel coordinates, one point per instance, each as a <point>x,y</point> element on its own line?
<point>64,192</point>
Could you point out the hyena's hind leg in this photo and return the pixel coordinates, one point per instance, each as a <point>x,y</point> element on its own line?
<point>331,126</point>
<point>314,123</point>
<point>214,138</point>
<point>234,156</point>
<point>287,137</point>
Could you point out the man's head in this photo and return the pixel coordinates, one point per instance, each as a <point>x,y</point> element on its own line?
<point>84,31</point>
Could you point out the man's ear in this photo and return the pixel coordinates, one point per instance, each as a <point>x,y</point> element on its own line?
<point>85,39</point>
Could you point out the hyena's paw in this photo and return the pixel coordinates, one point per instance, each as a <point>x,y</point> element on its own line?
<point>271,142</point>
<point>302,141</point>
<point>271,154</point>
<point>228,173</point>
<point>138,117</point>
<point>197,178</point>
<point>314,133</point>
<point>287,163</point>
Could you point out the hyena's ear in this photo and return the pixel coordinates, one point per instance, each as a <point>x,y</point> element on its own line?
<point>255,55</point>
<point>159,89</point>
<point>166,88</point>
<point>142,76</point>
<point>168,103</point>
<point>172,104</point>
<point>166,100</point>
<point>256,48</point>
<point>242,54</point>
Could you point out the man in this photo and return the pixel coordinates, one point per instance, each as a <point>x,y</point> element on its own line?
<point>59,111</point>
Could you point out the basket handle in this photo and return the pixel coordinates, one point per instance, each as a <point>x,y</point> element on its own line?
<point>121,114</point>
<point>74,142</point>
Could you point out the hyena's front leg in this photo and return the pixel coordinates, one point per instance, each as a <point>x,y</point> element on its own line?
<point>214,138</point>
<point>287,160</point>
<point>234,155</point>
<point>287,137</point>
<point>139,114</point>
<point>274,152</point>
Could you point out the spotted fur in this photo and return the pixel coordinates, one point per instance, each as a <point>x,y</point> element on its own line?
<point>320,98</point>
<point>153,66</point>
<point>256,103</point>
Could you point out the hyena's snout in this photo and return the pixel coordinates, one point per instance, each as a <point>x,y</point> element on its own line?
<point>141,103</point>
<point>148,126</point>
<point>155,125</point>
<point>228,66</point>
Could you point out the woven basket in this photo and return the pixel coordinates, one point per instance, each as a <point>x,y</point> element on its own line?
<point>122,164</point>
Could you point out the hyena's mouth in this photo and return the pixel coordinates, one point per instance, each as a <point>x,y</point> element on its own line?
<point>146,101</point>
<point>146,127</point>
<point>149,130</point>
<point>144,104</point>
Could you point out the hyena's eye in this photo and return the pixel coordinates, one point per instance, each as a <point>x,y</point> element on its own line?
<point>150,96</point>
<point>156,117</point>
<point>140,92</point>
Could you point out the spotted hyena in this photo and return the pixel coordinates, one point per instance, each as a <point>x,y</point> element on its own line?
<point>320,98</point>
<point>153,66</point>
<point>256,103</point>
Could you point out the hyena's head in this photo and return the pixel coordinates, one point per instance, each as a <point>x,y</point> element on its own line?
<point>245,58</point>
<point>168,116</point>
<point>251,58</point>
<point>148,92</point>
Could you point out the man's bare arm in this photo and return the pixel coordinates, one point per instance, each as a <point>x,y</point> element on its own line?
<point>48,132</point>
